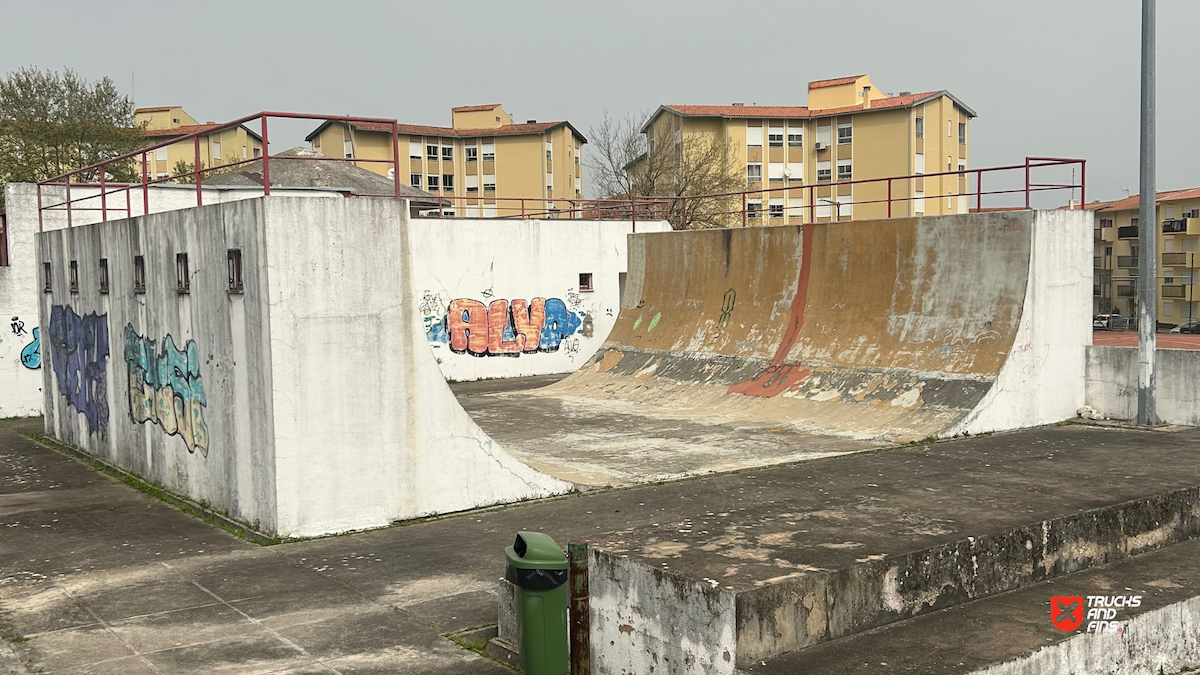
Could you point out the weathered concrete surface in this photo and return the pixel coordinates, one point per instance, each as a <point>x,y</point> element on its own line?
<point>873,331</point>
<point>1112,383</point>
<point>1011,634</point>
<point>129,562</point>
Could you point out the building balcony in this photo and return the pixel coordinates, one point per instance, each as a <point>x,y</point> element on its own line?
<point>1098,234</point>
<point>1181,226</point>
<point>1174,259</point>
<point>1130,261</point>
<point>1097,290</point>
<point>1174,291</point>
<point>1127,232</point>
<point>1126,291</point>
<point>1097,262</point>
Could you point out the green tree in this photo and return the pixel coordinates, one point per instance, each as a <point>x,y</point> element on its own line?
<point>52,122</point>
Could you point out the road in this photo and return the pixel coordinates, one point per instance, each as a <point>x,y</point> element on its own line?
<point>1103,338</point>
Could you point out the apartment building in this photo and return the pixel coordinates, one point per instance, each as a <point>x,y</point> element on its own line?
<point>216,148</point>
<point>850,130</point>
<point>1177,225</point>
<point>484,163</point>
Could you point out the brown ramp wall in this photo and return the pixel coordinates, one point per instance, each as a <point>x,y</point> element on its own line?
<point>891,329</point>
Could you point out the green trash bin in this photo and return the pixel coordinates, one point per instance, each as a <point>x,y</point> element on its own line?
<point>538,568</point>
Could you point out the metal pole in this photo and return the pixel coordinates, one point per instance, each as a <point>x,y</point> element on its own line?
<point>744,208</point>
<point>889,182</point>
<point>199,194</point>
<point>103,197</point>
<point>581,638</point>
<point>266,156</point>
<point>145,188</point>
<point>1148,234</point>
<point>979,191</point>
<point>41,224</point>
<point>395,161</point>
<point>1026,182</point>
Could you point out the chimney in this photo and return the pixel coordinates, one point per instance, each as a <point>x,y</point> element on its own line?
<point>866,94</point>
<point>530,121</point>
<point>738,105</point>
<point>906,93</point>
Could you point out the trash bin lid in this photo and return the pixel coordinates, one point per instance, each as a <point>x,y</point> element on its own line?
<point>535,551</point>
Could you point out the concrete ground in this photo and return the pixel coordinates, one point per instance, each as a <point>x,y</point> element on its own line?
<point>96,577</point>
<point>1104,338</point>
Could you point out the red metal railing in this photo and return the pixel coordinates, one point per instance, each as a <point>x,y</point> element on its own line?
<point>673,208</point>
<point>3,239</point>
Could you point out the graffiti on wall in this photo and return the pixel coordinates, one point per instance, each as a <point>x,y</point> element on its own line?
<point>31,354</point>
<point>79,352</point>
<point>165,387</point>
<point>507,327</point>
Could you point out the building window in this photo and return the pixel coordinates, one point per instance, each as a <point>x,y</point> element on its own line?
<point>489,152</point>
<point>414,150</point>
<point>919,127</point>
<point>73,268</point>
<point>257,153</point>
<point>824,172</point>
<point>160,174</point>
<point>549,181</point>
<point>432,182</point>
<point>46,276</point>
<point>949,128</point>
<point>431,151</point>
<point>844,171</point>
<point>216,149</point>
<point>489,184</point>
<point>548,156</point>
<point>962,168</point>
<point>919,164</point>
<point>795,138</point>
<point>775,172</point>
<point>139,274</point>
<point>347,148</point>
<point>1106,222</point>
<point>845,134</point>
<point>183,279</point>
<point>472,153</point>
<point>775,137</point>
<point>585,281</point>
<point>414,179</point>
<point>234,259</point>
<point>754,136</point>
<point>104,275</point>
<point>775,209</point>
<point>447,153</point>
<point>448,181</point>
<point>754,210</point>
<point>160,154</point>
<point>754,172</point>
<point>918,202</point>
<point>962,132</point>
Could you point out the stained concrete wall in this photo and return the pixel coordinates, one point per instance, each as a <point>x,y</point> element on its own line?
<point>483,266</point>
<point>20,354</point>
<point>1112,383</point>
<point>309,403</point>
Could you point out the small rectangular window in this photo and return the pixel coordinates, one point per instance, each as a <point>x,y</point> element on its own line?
<point>844,170</point>
<point>448,153</point>
<point>257,152</point>
<point>754,172</point>
<point>216,149</point>
<point>160,154</point>
<point>183,280</point>
<point>472,183</point>
<point>754,209</point>
<point>775,209</point>
<point>73,268</point>
<point>46,276</point>
<point>585,281</point>
<point>431,151</point>
<point>949,128</point>
<point>448,181</point>
<point>962,132</point>
<point>754,136</point>
<point>489,152</point>
<point>824,172</point>
<point>489,183</point>
<point>795,138</point>
<point>919,127</point>
<point>549,157</point>
<point>472,153</point>
<point>845,134</point>
<point>348,148</point>
<point>775,137</point>
<point>432,182</point>
<point>139,274</point>
<point>414,150</point>
<point>234,257</point>
<point>414,179</point>
<point>104,275</point>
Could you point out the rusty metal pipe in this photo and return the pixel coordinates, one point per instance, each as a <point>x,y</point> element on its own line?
<point>581,624</point>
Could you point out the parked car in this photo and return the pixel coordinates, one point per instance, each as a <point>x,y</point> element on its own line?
<point>1192,327</point>
<point>1102,321</point>
<point>1122,323</point>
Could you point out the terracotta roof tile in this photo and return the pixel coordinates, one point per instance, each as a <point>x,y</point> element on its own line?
<point>159,109</point>
<point>419,129</point>
<point>782,111</point>
<point>818,84</point>
<point>475,108</point>
<point>1134,201</point>
<point>181,130</point>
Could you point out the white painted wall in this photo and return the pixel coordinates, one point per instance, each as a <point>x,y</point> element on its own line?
<point>1112,383</point>
<point>491,260</point>
<point>21,386</point>
<point>1042,380</point>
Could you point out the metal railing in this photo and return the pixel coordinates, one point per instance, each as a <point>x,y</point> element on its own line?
<point>1174,259</point>
<point>1127,261</point>
<point>1174,291</point>
<point>1128,232</point>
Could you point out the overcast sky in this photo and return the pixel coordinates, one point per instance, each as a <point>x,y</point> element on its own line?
<point>1047,77</point>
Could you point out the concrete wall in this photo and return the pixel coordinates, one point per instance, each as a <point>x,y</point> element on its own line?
<point>20,379</point>
<point>165,384</point>
<point>1112,383</point>
<point>483,267</point>
<point>309,403</point>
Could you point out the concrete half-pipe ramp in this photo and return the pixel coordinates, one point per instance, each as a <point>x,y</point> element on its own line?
<point>750,346</point>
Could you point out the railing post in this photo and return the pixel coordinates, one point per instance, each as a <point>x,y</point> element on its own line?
<point>68,201</point>
<point>1026,182</point>
<point>633,213</point>
<point>103,196</point>
<point>522,207</point>
<point>395,160</point>
<point>683,212</point>
<point>41,225</point>
<point>979,191</point>
<point>196,169</point>
<point>1082,183</point>
<point>744,208</point>
<point>266,156</point>
<point>128,210</point>
<point>812,204</point>
<point>581,619</point>
<point>889,182</point>
<point>145,188</point>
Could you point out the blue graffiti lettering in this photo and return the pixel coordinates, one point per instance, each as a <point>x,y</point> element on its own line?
<point>560,323</point>
<point>165,387</point>
<point>79,355</point>
<point>31,355</point>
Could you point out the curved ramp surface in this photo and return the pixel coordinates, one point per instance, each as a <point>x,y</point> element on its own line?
<point>805,340</point>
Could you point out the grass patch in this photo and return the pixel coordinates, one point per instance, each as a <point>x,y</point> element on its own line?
<point>17,639</point>
<point>477,645</point>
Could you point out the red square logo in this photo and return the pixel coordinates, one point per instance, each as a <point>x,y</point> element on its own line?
<point>1066,612</point>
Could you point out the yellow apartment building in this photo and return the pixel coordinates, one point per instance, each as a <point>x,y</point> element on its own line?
<point>849,130</point>
<point>484,162</point>
<point>216,148</point>
<point>1115,261</point>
